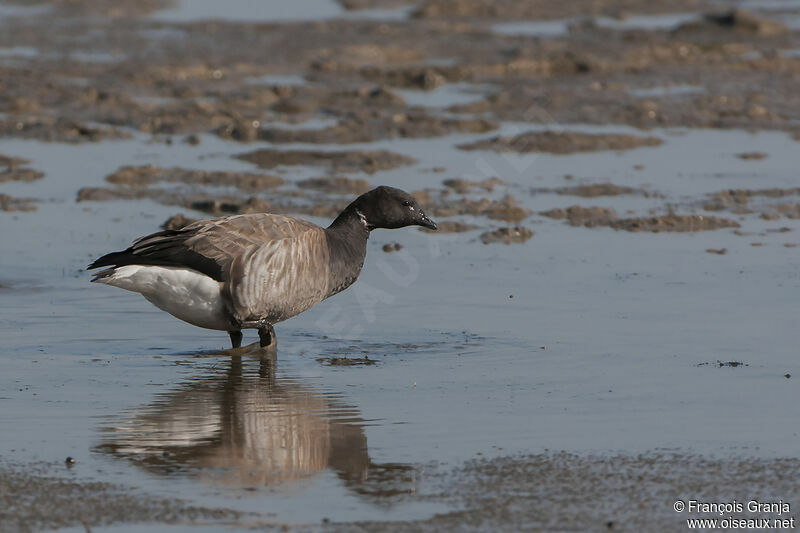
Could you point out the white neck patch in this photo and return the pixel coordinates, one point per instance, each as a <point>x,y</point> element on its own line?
<point>362,218</point>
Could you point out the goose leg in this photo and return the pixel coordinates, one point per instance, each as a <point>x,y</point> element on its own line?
<point>266,334</point>
<point>236,338</point>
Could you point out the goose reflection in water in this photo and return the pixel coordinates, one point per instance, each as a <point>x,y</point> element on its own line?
<point>243,427</point>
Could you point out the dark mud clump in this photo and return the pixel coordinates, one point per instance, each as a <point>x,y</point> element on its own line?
<point>208,203</point>
<point>465,186</point>
<point>788,210</point>
<point>739,201</point>
<point>104,8</point>
<point>178,221</point>
<point>508,235</point>
<point>349,161</point>
<point>346,361</point>
<point>721,364</point>
<point>506,209</point>
<point>148,174</point>
<point>736,20</point>
<point>10,203</point>
<point>336,185</point>
<point>681,223</point>
<point>397,73</point>
<point>450,226</point>
<point>57,130</point>
<point>591,217</point>
<point>392,247</point>
<point>368,128</point>
<point>717,251</point>
<point>588,217</point>
<point>291,202</point>
<point>751,156</point>
<point>231,205</point>
<point>546,9</point>
<point>561,142</point>
<point>595,190</point>
<point>105,194</point>
<point>16,170</point>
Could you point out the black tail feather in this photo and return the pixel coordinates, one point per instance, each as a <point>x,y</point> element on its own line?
<point>113,259</point>
<point>165,248</point>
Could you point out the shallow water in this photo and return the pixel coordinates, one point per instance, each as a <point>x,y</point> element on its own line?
<point>11,11</point>
<point>557,28</point>
<point>270,11</point>
<point>669,90</point>
<point>444,96</point>
<point>278,79</point>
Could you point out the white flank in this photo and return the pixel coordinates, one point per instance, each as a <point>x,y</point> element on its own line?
<point>182,292</point>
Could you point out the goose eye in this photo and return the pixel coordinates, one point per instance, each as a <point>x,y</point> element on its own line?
<point>407,203</point>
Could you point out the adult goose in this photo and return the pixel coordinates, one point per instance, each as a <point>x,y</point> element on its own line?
<point>253,271</point>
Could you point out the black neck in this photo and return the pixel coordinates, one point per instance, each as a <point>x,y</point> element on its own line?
<point>347,241</point>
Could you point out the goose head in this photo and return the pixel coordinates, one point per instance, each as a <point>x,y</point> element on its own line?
<point>390,208</point>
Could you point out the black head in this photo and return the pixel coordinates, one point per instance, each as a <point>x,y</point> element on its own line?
<point>387,207</point>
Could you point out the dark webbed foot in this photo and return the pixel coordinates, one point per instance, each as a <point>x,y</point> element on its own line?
<point>266,335</point>
<point>236,338</point>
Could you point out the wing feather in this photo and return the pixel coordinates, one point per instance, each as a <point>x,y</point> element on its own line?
<point>209,246</point>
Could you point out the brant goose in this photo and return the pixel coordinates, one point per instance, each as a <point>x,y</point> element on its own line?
<point>252,271</point>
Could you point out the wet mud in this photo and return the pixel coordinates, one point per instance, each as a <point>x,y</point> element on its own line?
<point>336,185</point>
<point>768,204</point>
<point>10,203</point>
<point>507,208</point>
<point>515,235</point>
<point>17,170</point>
<point>717,251</point>
<point>751,155</point>
<point>585,75</point>
<point>595,190</point>
<point>465,186</point>
<point>658,224</point>
<point>450,226</point>
<point>549,9</point>
<point>369,161</point>
<point>346,361</point>
<point>561,142</point>
<point>57,130</point>
<point>591,217</point>
<point>149,174</point>
<point>588,217</point>
<point>178,221</point>
<point>489,494</point>
<point>736,20</point>
<point>495,494</point>
<point>34,498</point>
<point>392,247</point>
<point>360,129</point>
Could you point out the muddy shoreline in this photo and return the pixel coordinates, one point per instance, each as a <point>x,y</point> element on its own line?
<point>488,493</point>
